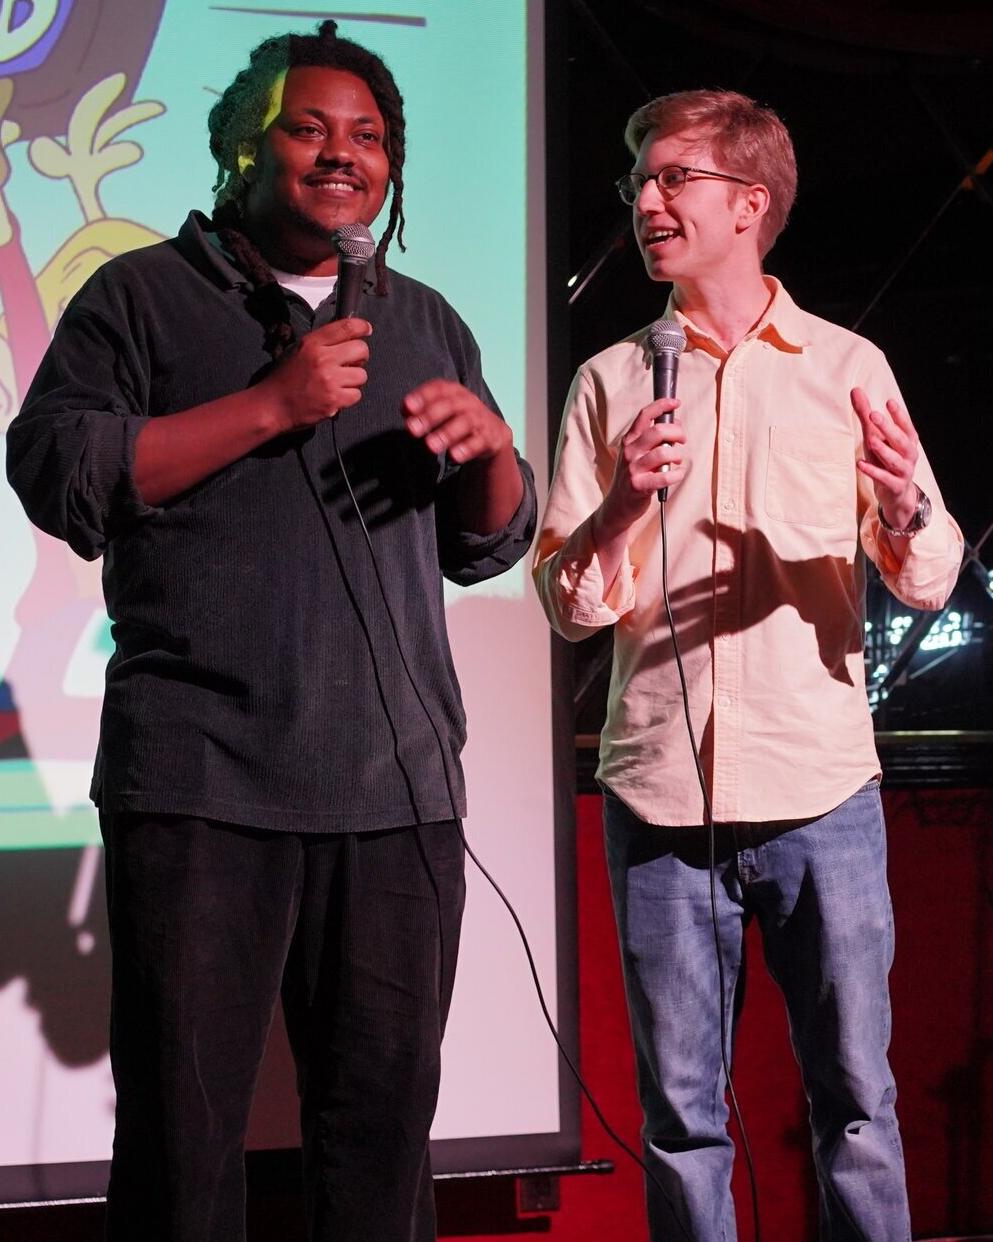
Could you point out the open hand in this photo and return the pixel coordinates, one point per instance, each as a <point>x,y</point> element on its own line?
<point>891,456</point>
<point>451,419</point>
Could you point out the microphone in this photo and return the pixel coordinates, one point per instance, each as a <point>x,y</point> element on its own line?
<point>355,246</point>
<point>666,340</point>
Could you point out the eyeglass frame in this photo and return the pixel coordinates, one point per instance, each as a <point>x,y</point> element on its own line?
<point>669,194</point>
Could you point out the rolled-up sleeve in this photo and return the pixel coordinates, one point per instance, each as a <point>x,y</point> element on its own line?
<point>929,570</point>
<point>927,573</point>
<point>70,450</point>
<point>467,557</point>
<point>566,569</point>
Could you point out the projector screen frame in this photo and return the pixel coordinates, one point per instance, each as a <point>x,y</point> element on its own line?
<point>57,1182</point>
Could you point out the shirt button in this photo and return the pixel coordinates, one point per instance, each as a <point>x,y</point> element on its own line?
<point>724,701</point>
<point>729,504</point>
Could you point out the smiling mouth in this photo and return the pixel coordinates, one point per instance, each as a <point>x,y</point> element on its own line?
<point>660,237</point>
<point>332,185</point>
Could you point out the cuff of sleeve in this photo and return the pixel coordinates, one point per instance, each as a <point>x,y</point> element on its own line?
<point>124,506</point>
<point>102,500</point>
<point>926,573</point>
<point>520,526</point>
<point>581,585</point>
<point>128,505</point>
<point>468,557</point>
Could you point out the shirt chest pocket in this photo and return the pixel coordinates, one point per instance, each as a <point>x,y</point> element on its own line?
<point>810,478</point>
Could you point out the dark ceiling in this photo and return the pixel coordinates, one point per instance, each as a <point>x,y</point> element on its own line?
<point>890,104</point>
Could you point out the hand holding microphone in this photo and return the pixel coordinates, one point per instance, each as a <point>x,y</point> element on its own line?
<point>646,455</point>
<point>326,371</point>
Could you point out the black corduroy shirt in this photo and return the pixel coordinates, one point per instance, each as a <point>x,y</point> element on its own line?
<point>257,677</point>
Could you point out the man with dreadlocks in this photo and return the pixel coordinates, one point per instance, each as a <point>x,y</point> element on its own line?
<point>278,774</point>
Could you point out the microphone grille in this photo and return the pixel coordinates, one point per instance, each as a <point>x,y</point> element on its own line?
<point>354,241</point>
<point>665,336</point>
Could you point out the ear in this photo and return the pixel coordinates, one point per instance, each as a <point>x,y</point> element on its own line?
<point>246,163</point>
<point>753,204</point>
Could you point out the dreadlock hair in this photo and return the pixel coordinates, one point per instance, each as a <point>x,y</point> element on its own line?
<point>235,125</point>
<point>267,301</point>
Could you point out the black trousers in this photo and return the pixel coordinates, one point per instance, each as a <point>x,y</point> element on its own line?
<point>209,924</point>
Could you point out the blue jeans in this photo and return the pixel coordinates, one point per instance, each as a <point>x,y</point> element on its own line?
<point>819,892</point>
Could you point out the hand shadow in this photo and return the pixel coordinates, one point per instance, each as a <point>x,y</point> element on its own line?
<point>390,473</point>
<point>764,582</point>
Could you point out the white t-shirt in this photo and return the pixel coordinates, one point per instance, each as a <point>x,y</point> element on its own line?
<point>313,289</point>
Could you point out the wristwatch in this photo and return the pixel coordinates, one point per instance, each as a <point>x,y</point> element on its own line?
<point>922,515</point>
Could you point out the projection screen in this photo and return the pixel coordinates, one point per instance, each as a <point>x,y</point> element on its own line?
<point>104,149</point>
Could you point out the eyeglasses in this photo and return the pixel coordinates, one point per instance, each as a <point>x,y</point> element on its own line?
<point>669,179</point>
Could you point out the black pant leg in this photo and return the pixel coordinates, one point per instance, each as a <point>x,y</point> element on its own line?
<point>201,915</point>
<point>366,995</point>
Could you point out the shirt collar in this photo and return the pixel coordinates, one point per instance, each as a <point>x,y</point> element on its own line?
<point>781,324</point>
<point>200,242</point>
<point>201,245</point>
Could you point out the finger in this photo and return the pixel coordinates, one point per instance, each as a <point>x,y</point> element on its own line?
<point>861,405</point>
<point>426,394</point>
<point>663,406</point>
<point>662,433</point>
<point>891,447</point>
<point>349,377</point>
<point>343,353</point>
<point>646,418</point>
<point>665,476</point>
<point>889,429</point>
<point>893,427</point>
<point>432,415</point>
<point>453,429</point>
<point>344,394</point>
<point>885,458</point>
<point>885,479</point>
<point>900,436</point>
<point>450,414</point>
<point>346,397</point>
<point>643,420</point>
<point>473,446</point>
<point>340,330</point>
<point>664,458</point>
<point>901,418</point>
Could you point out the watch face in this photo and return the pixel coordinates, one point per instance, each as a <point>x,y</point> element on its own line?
<point>923,514</point>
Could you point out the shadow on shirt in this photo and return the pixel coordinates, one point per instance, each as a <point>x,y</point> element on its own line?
<point>822,590</point>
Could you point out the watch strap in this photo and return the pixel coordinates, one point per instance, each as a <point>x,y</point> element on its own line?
<point>922,515</point>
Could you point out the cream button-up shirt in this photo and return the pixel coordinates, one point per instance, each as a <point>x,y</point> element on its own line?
<point>765,540</point>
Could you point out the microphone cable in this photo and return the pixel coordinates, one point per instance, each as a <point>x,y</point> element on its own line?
<point>712,868</point>
<point>573,1069</point>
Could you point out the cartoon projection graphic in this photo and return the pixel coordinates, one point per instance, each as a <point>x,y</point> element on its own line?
<point>68,70</point>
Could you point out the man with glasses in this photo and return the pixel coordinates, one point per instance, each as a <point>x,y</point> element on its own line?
<point>792,459</point>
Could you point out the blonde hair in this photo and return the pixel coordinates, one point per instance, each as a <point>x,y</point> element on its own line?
<point>748,139</point>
